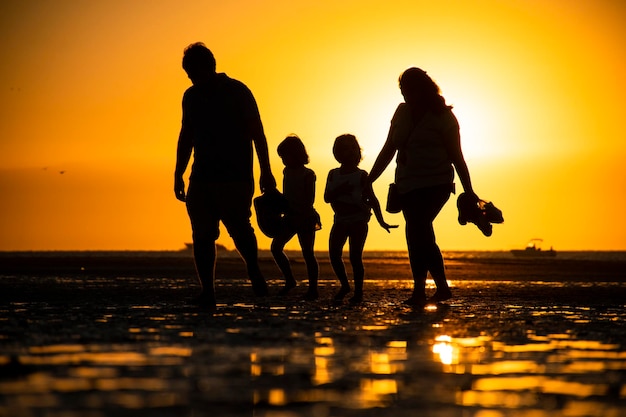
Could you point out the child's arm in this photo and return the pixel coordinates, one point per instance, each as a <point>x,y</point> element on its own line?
<point>327,190</point>
<point>310,187</point>
<point>372,201</point>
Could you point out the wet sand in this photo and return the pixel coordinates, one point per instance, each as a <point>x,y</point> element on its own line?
<point>116,335</point>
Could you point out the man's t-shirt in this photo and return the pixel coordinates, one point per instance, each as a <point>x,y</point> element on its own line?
<point>221,117</point>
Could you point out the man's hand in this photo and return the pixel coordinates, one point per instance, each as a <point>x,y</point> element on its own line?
<point>267,182</point>
<point>179,188</point>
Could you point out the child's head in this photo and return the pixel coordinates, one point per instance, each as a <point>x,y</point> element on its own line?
<point>293,152</point>
<point>347,150</point>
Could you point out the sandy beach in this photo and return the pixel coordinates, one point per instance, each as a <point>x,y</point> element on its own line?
<point>92,334</point>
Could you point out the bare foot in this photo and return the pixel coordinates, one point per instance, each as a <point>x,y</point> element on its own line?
<point>343,291</point>
<point>441,295</point>
<point>311,295</point>
<point>289,285</point>
<point>356,298</point>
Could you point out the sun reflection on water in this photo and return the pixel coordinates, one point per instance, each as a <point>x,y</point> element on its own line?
<point>321,353</point>
<point>444,348</point>
<point>513,375</point>
<point>502,375</point>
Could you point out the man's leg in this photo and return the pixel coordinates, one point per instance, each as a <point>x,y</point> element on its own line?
<point>246,244</point>
<point>236,202</point>
<point>205,229</point>
<point>204,257</point>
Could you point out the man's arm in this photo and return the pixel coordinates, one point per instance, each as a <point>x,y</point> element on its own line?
<point>267,181</point>
<point>183,154</point>
<point>256,132</point>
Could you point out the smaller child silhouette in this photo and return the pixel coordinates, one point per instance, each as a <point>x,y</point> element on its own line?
<point>352,198</point>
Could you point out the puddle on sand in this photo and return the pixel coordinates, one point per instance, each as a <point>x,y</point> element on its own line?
<point>552,372</point>
<point>317,360</point>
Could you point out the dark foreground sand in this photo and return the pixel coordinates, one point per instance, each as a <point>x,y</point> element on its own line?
<point>95,335</point>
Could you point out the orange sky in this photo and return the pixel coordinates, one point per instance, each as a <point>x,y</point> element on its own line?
<point>93,89</point>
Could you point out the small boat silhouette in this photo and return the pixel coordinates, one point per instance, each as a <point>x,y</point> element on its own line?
<point>533,249</point>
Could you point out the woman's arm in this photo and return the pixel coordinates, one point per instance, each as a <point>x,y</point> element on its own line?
<point>384,158</point>
<point>401,127</point>
<point>452,141</point>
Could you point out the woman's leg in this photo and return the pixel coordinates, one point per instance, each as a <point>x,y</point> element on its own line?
<point>416,256</point>
<point>357,237</point>
<point>438,272</point>
<point>307,240</point>
<point>420,208</point>
<point>338,237</point>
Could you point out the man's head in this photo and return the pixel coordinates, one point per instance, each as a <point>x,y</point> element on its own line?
<point>198,62</point>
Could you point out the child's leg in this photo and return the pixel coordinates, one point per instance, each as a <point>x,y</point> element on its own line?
<point>358,234</point>
<point>338,237</point>
<point>281,259</point>
<point>307,240</point>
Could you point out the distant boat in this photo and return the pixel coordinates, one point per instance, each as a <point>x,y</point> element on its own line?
<point>218,247</point>
<point>533,249</point>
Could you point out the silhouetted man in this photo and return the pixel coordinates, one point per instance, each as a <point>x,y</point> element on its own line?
<point>220,122</point>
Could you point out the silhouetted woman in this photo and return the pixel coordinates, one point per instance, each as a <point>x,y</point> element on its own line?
<point>425,134</point>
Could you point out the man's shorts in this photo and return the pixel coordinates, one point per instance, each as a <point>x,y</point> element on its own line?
<point>210,202</point>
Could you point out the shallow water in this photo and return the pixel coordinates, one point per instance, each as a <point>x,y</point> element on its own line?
<point>497,349</point>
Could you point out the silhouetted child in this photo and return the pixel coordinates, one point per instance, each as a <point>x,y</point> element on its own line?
<point>352,199</point>
<point>300,218</point>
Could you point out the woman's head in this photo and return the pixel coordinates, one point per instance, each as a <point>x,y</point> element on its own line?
<point>419,89</point>
<point>347,150</point>
<point>292,151</point>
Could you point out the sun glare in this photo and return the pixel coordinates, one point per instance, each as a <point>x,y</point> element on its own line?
<point>472,130</point>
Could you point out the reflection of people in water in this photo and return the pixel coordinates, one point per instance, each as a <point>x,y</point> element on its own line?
<point>425,134</point>
<point>352,198</point>
<point>220,123</point>
<point>300,219</point>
